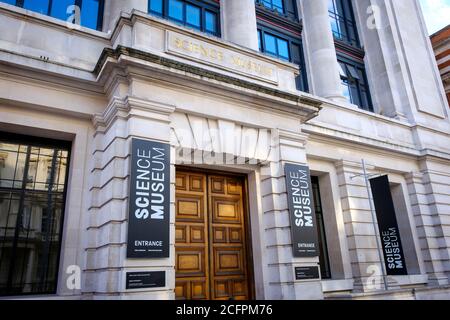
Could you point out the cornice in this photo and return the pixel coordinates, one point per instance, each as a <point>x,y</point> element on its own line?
<point>309,105</point>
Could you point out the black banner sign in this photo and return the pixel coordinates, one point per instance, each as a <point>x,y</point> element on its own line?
<point>388,227</point>
<point>301,211</point>
<point>149,207</point>
<point>143,280</point>
<point>306,273</point>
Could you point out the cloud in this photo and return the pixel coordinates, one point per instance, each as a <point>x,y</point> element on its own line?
<point>437,14</point>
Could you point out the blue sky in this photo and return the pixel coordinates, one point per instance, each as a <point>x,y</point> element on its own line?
<point>437,14</point>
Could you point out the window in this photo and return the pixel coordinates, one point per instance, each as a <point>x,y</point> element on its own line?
<point>31,213</point>
<point>194,14</point>
<point>354,84</point>
<point>91,11</point>
<point>283,8</point>
<point>276,46</point>
<point>285,48</point>
<point>273,5</point>
<point>323,257</point>
<point>343,21</point>
<point>210,22</point>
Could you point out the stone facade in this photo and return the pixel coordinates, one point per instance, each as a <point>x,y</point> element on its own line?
<point>136,79</point>
<point>441,45</point>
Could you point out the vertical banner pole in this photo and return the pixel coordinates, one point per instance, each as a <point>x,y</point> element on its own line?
<point>372,211</point>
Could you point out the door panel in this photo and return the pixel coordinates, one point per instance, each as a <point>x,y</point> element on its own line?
<point>211,257</point>
<point>191,236</point>
<point>227,248</point>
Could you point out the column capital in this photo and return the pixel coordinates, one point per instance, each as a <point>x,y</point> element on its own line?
<point>132,107</point>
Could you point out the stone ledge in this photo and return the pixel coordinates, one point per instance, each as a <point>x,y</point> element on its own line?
<point>204,73</point>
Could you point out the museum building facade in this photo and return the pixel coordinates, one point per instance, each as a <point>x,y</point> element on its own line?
<point>232,149</point>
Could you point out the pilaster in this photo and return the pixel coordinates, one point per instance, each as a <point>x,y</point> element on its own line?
<point>428,191</point>
<point>106,262</point>
<point>359,227</point>
<point>277,229</point>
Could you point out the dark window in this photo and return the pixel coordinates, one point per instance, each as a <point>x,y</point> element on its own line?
<point>273,4</point>
<point>176,9</point>
<point>343,21</point>
<point>193,16</point>
<point>156,6</point>
<point>286,48</point>
<point>286,8</point>
<point>354,83</point>
<point>33,179</point>
<point>191,13</point>
<point>210,22</point>
<point>324,260</point>
<point>91,11</point>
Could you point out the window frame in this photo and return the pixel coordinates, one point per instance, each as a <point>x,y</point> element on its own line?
<point>289,12</point>
<point>324,262</point>
<point>204,8</point>
<point>79,3</point>
<point>272,6</point>
<point>302,79</point>
<point>33,141</point>
<point>357,86</point>
<point>347,16</point>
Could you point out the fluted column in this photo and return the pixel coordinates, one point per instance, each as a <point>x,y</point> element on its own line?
<point>239,22</point>
<point>113,9</point>
<point>319,46</point>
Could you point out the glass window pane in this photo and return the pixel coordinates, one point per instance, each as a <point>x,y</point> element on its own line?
<point>342,29</point>
<point>156,6</point>
<point>40,6</point>
<point>8,161</point>
<point>354,93</point>
<point>176,9</point>
<point>210,22</point>
<point>13,2</point>
<point>340,7</point>
<point>353,72</point>
<point>60,8</point>
<point>193,15</point>
<point>19,170</point>
<point>335,28</point>
<point>34,214</point>
<point>277,5</point>
<point>323,257</point>
<point>283,49</point>
<point>342,70</point>
<point>346,90</point>
<point>90,13</point>
<point>270,44</point>
<point>331,5</point>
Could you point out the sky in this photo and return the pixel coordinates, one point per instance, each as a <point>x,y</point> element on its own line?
<point>437,14</point>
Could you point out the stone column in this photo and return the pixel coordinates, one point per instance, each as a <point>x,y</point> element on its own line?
<point>113,9</point>
<point>320,51</point>
<point>277,232</point>
<point>400,61</point>
<point>238,18</point>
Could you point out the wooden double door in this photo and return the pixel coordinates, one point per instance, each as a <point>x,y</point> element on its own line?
<point>212,257</point>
